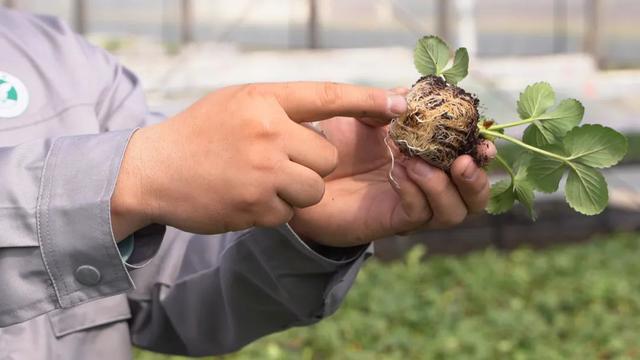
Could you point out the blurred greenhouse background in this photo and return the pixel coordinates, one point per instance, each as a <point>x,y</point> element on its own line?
<point>577,298</point>
<point>502,27</point>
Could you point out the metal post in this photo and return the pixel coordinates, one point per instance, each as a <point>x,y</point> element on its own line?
<point>186,21</point>
<point>467,34</point>
<point>312,26</point>
<point>560,30</point>
<point>442,21</point>
<point>80,16</point>
<point>591,43</point>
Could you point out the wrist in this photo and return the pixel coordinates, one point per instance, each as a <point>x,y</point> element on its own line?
<point>129,203</point>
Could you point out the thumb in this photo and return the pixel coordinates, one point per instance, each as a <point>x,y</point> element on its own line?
<point>397,104</point>
<point>414,210</point>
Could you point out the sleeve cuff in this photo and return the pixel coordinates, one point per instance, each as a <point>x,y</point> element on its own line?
<point>344,263</point>
<point>73,217</point>
<point>339,255</point>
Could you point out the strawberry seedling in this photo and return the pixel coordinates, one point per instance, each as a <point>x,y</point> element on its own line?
<point>443,122</point>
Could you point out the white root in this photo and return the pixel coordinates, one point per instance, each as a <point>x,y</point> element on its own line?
<point>393,162</point>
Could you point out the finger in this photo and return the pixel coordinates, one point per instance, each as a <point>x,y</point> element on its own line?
<point>472,183</point>
<point>277,212</point>
<point>415,210</point>
<point>487,149</point>
<point>312,101</point>
<point>374,122</point>
<point>310,149</point>
<point>448,207</point>
<point>382,121</point>
<point>299,186</point>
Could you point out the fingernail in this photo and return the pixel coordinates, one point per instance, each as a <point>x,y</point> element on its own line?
<point>396,104</point>
<point>470,172</point>
<point>422,169</point>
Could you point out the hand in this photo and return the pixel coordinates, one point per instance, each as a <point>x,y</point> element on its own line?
<point>361,204</point>
<point>235,159</point>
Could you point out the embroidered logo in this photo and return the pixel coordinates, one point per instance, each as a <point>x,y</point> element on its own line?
<point>14,97</point>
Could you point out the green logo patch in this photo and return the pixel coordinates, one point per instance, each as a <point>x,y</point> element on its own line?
<point>14,97</point>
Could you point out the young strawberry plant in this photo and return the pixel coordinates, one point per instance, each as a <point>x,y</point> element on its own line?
<point>443,122</point>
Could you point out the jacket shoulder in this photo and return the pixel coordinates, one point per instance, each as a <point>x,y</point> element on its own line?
<point>41,35</point>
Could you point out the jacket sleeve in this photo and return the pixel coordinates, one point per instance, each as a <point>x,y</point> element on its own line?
<point>210,295</point>
<point>56,244</point>
<point>201,294</point>
<point>213,294</point>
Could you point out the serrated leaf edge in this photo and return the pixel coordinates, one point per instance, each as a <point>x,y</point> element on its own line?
<point>509,187</point>
<point>606,188</point>
<point>531,86</point>
<point>453,65</point>
<point>437,72</point>
<point>605,128</point>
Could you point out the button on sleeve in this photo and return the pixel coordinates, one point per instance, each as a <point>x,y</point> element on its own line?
<point>88,275</point>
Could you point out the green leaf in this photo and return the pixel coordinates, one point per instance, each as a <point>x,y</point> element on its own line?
<point>533,136</point>
<point>586,147</point>
<point>521,163</point>
<point>550,127</point>
<point>522,188</point>
<point>459,69</point>
<point>502,197</point>
<point>431,55</point>
<point>563,117</point>
<point>504,193</point>
<point>595,145</point>
<point>535,100</point>
<point>545,173</point>
<point>586,190</point>
<point>523,191</point>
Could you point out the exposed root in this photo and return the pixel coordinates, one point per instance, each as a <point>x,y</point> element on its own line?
<point>393,162</point>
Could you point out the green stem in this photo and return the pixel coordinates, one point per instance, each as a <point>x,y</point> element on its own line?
<point>511,124</point>
<point>506,166</point>
<point>524,145</point>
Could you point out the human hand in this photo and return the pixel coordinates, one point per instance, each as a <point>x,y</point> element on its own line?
<point>361,204</point>
<point>237,158</point>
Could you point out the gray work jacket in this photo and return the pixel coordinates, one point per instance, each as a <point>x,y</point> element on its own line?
<point>67,110</point>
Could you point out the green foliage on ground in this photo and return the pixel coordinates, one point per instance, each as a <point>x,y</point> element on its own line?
<point>573,302</point>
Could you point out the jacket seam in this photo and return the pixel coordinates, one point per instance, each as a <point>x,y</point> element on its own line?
<point>110,247</point>
<point>54,115</point>
<point>48,300</point>
<point>96,323</point>
<point>50,240</point>
<point>42,224</point>
<point>23,307</point>
<point>50,243</point>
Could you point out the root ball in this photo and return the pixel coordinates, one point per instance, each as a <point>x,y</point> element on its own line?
<point>440,123</point>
